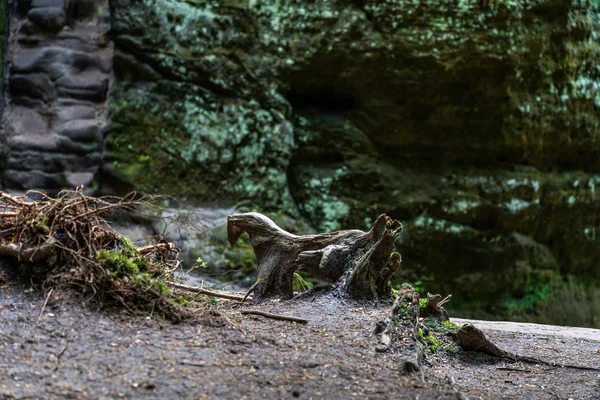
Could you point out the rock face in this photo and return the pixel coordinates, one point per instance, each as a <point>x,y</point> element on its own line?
<point>476,123</point>
<point>3,38</point>
<point>60,62</point>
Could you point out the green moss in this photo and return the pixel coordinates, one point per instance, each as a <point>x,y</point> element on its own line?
<point>181,301</point>
<point>125,261</point>
<point>39,225</point>
<point>117,262</point>
<point>435,343</point>
<point>450,326</point>
<point>219,249</point>
<point>435,325</point>
<point>403,308</point>
<point>144,279</point>
<point>430,341</point>
<point>160,286</point>
<point>325,210</point>
<point>126,245</point>
<point>422,304</point>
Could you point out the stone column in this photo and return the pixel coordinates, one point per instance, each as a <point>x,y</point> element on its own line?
<point>4,7</point>
<point>60,70</point>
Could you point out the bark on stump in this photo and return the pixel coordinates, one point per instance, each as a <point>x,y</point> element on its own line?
<point>361,262</point>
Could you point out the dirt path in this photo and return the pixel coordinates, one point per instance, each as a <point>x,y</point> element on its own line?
<point>72,353</point>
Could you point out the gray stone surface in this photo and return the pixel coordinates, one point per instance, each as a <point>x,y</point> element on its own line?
<point>61,69</point>
<point>534,329</point>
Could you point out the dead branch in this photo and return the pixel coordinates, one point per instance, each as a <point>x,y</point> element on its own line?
<point>13,199</point>
<point>192,363</point>
<point>274,316</point>
<point>194,289</point>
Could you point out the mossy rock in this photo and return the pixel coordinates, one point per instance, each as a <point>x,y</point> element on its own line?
<point>476,125</point>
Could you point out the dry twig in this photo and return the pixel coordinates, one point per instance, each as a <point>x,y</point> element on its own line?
<point>274,316</point>
<point>194,289</point>
<point>44,306</point>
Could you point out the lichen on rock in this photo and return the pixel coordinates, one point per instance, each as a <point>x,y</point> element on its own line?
<point>475,123</point>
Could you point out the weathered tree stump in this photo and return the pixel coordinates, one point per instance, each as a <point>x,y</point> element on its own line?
<point>360,262</point>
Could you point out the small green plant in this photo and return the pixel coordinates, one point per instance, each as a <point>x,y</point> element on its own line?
<point>199,264</point>
<point>219,249</point>
<point>430,341</point>
<point>449,326</point>
<point>299,284</point>
<point>536,293</point>
<point>417,285</point>
<point>39,225</point>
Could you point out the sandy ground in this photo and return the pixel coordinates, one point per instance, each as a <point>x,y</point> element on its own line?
<point>72,353</point>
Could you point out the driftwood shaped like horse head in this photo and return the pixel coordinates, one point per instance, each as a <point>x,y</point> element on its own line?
<point>361,262</point>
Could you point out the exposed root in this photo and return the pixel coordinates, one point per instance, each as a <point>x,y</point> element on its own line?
<point>73,245</point>
<point>398,333</point>
<point>250,291</point>
<point>31,254</point>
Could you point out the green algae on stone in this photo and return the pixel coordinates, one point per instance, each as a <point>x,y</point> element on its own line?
<point>326,211</point>
<point>200,145</point>
<point>471,122</point>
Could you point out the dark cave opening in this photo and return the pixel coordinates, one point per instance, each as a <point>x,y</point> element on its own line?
<point>325,99</point>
